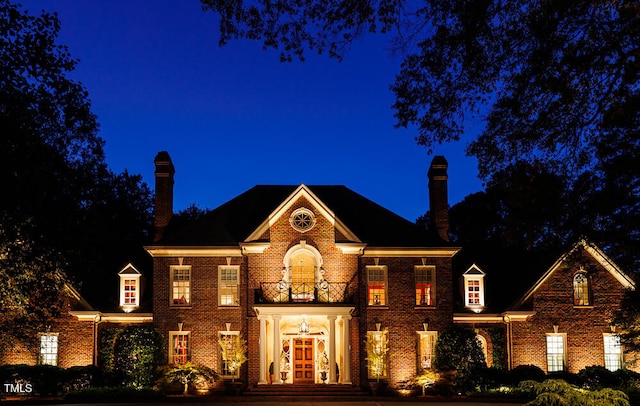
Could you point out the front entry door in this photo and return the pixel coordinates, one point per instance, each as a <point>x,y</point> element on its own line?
<point>303,367</point>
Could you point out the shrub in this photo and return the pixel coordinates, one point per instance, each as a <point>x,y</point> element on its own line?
<point>44,379</point>
<point>459,349</point>
<point>187,375</point>
<point>138,351</point>
<point>111,394</point>
<point>558,392</point>
<point>525,373</point>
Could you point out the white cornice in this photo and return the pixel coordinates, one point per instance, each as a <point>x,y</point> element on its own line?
<point>254,247</point>
<point>297,309</point>
<point>92,315</point>
<point>506,317</point>
<point>377,252</point>
<point>351,247</point>
<point>208,251</point>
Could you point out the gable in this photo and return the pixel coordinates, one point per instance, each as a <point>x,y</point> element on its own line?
<point>595,253</point>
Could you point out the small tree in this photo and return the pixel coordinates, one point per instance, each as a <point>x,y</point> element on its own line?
<point>234,352</point>
<point>138,350</point>
<point>377,348</point>
<point>459,349</point>
<point>190,374</point>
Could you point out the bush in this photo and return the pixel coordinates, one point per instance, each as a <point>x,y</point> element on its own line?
<point>138,351</point>
<point>525,373</point>
<point>597,377</point>
<point>558,392</point>
<point>111,394</point>
<point>44,379</point>
<point>83,377</point>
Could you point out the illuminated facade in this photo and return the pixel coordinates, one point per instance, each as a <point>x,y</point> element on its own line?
<point>308,274</point>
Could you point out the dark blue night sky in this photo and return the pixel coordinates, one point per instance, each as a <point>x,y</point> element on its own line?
<point>234,117</point>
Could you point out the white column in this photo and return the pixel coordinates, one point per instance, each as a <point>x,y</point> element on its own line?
<point>346,344</point>
<point>332,349</point>
<point>263,351</point>
<point>276,349</point>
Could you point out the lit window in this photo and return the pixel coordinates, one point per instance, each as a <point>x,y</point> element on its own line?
<point>180,286</point>
<point>483,345</point>
<point>130,288</point>
<point>425,285</point>
<point>49,349</point>
<point>426,349</point>
<point>377,362</point>
<point>228,340</point>
<point>474,288</point>
<point>581,290</point>
<point>179,350</point>
<point>555,352</point>
<point>228,285</point>
<point>612,352</point>
<point>302,220</point>
<point>377,285</point>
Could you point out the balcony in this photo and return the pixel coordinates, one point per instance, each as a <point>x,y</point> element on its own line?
<point>320,292</point>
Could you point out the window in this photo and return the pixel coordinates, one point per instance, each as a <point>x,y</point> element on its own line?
<point>377,285</point>
<point>228,340</point>
<point>612,352</point>
<point>130,292</point>
<point>303,274</point>
<point>130,288</point>
<point>377,361</point>
<point>555,352</point>
<point>581,290</point>
<point>302,220</point>
<point>180,285</point>
<point>474,288</point>
<point>228,285</point>
<point>179,347</point>
<point>426,349</point>
<point>425,285</point>
<point>49,349</point>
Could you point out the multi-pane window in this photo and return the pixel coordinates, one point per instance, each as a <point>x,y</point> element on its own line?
<point>581,290</point>
<point>377,285</point>
<point>130,288</point>
<point>377,354</point>
<point>228,342</point>
<point>612,352</point>
<point>425,285</point>
<point>180,286</point>
<point>555,352</point>
<point>426,349</point>
<point>49,349</point>
<point>473,292</point>
<point>228,285</point>
<point>179,350</point>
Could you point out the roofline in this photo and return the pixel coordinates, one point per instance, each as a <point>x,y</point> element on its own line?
<point>597,254</point>
<point>194,251</point>
<point>442,252</point>
<point>97,316</point>
<point>77,296</point>
<point>302,190</point>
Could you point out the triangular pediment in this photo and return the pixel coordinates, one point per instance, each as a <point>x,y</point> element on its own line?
<point>474,270</point>
<point>597,254</point>
<point>129,269</point>
<point>302,192</point>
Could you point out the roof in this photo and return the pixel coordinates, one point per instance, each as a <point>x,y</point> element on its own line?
<point>234,221</point>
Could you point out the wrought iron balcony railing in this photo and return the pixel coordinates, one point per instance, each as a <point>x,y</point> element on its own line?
<point>321,292</point>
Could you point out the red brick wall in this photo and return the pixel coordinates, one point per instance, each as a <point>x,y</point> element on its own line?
<point>584,326</point>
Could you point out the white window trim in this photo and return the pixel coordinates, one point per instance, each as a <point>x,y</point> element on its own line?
<point>172,355</point>
<point>386,284</point>
<point>620,354</point>
<point>433,337</point>
<point>474,274</point>
<point>432,268</point>
<point>220,283</point>
<point>42,360</point>
<point>172,269</point>
<point>222,374</point>
<point>564,350</point>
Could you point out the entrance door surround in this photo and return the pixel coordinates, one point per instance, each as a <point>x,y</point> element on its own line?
<point>337,335</point>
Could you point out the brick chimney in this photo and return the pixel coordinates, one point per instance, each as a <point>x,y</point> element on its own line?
<point>438,197</point>
<point>164,193</point>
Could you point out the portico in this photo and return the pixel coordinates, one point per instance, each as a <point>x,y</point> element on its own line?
<point>304,344</point>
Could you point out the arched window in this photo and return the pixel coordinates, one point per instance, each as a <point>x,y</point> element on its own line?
<point>302,273</point>
<point>581,289</point>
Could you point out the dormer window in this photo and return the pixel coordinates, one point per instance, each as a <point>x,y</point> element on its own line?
<point>474,289</point>
<point>581,289</point>
<point>130,287</point>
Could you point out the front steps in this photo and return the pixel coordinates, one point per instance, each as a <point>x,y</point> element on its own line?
<point>315,391</point>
